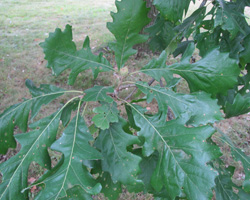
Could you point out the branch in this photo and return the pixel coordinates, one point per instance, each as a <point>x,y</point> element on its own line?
<point>126,86</point>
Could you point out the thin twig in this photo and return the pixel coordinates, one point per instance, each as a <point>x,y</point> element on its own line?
<point>131,94</point>
<point>122,87</point>
<point>161,83</point>
<point>203,3</point>
<point>149,83</point>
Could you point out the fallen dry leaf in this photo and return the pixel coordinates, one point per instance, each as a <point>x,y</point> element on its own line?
<point>32,190</point>
<point>31,180</point>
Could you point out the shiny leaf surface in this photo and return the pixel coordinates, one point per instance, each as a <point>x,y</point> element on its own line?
<point>122,165</point>
<point>129,20</point>
<point>98,93</point>
<point>183,155</point>
<point>18,114</point>
<point>61,53</point>
<point>34,148</point>
<point>184,103</point>
<point>70,171</point>
<point>107,113</point>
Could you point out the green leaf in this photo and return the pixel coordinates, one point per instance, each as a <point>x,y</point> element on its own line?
<point>122,165</point>
<point>34,148</point>
<point>156,68</point>
<point>107,114</point>
<point>110,189</point>
<point>98,93</point>
<point>129,20</point>
<point>224,185</point>
<point>183,154</point>
<point>238,155</point>
<point>245,80</point>
<point>240,105</point>
<point>214,74</point>
<point>161,34</point>
<point>172,10</point>
<point>244,55</point>
<point>182,48</point>
<point>184,103</point>
<point>66,113</point>
<point>230,18</point>
<point>234,46</point>
<point>175,36</point>
<point>191,23</point>
<point>237,101</point>
<point>61,53</point>
<point>74,144</point>
<point>226,24</point>
<point>148,165</point>
<point>188,53</point>
<point>243,195</point>
<point>76,193</point>
<point>38,92</point>
<point>207,42</point>
<point>153,68</point>
<point>18,114</point>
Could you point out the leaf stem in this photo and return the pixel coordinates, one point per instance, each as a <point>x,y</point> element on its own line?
<point>84,109</point>
<point>130,95</point>
<point>73,91</point>
<point>135,72</point>
<point>149,83</point>
<point>128,82</point>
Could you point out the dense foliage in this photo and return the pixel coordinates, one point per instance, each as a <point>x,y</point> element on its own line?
<point>169,157</point>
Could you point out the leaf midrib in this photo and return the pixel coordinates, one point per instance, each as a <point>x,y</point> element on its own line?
<point>91,61</point>
<point>163,142</point>
<point>34,145</point>
<point>224,189</point>
<point>44,95</point>
<point>152,88</point>
<point>188,71</point>
<point>71,154</point>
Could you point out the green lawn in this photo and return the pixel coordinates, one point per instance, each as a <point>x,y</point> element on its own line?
<point>26,23</point>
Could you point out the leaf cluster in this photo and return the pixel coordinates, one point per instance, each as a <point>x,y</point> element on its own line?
<point>123,144</point>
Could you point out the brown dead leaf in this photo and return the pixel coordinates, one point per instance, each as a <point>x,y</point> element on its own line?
<point>32,190</point>
<point>31,180</point>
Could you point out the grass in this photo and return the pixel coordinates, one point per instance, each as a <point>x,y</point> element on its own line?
<point>26,23</point>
